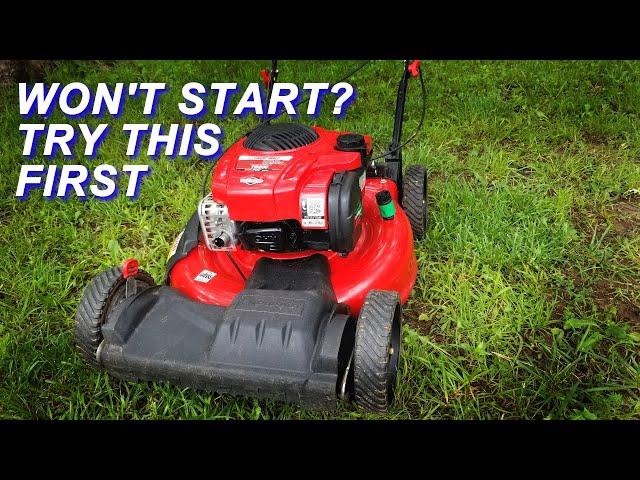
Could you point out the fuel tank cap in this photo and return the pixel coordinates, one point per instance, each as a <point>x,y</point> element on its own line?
<point>350,142</point>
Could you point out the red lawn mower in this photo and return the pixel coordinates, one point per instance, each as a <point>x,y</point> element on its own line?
<point>286,283</point>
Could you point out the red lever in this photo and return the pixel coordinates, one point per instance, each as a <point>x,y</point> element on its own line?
<point>130,268</point>
<point>414,68</point>
<point>265,77</point>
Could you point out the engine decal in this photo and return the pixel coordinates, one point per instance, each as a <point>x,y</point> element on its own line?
<point>251,180</point>
<point>312,211</point>
<point>205,276</point>
<point>262,163</point>
<point>266,158</point>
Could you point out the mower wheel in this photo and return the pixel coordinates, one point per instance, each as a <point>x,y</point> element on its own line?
<point>414,199</point>
<point>102,294</point>
<point>377,350</point>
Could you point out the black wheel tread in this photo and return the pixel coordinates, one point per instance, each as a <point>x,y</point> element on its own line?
<point>373,334</point>
<point>91,310</point>
<point>414,184</point>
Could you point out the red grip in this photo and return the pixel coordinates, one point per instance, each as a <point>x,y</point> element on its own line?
<point>414,68</point>
<point>265,77</point>
<point>130,268</point>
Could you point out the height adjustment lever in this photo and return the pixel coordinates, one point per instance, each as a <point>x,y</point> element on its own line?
<point>129,271</point>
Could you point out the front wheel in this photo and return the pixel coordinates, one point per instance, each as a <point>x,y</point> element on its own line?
<point>377,350</point>
<point>103,293</point>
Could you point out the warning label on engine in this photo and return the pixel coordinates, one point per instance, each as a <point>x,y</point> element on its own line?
<point>312,208</point>
<point>262,163</point>
<point>265,158</point>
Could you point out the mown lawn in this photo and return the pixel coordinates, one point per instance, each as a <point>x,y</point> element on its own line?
<point>527,303</point>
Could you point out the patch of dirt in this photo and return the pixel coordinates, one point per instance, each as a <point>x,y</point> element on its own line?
<point>564,299</point>
<point>596,88</point>
<point>507,91</point>
<point>568,147</point>
<point>508,143</point>
<point>573,274</point>
<point>22,70</point>
<point>623,214</point>
<point>579,218</point>
<point>594,138</point>
<point>440,176</point>
<point>460,151</point>
<point>626,216</point>
<point>604,295</point>
<point>410,316</point>
<point>5,217</point>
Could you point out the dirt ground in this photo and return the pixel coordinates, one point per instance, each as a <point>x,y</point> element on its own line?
<point>23,70</point>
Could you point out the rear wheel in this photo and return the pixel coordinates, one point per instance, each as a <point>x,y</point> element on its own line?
<point>414,199</point>
<point>377,350</point>
<point>103,293</point>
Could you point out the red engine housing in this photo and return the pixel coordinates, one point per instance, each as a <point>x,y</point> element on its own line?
<point>260,186</point>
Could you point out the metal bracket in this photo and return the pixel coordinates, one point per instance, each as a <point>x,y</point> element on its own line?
<point>343,383</point>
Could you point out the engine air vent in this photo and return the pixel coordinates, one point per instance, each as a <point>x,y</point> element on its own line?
<point>280,136</point>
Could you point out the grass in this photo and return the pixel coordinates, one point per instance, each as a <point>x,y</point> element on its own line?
<point>527,303</point>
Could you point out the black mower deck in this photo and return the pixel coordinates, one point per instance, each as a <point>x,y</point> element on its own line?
<point>284,337</point>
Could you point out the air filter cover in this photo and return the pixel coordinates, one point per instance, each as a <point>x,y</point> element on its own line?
<point>280,136</point>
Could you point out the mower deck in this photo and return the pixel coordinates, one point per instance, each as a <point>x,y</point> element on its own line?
<point>281,338</point>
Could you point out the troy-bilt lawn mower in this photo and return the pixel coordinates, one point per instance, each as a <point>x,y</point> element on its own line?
<point>287,282</point>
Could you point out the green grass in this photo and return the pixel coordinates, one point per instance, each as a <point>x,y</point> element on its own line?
<point>527,303</point>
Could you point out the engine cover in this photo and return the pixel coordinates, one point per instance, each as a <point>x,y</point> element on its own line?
<point>289,187</point>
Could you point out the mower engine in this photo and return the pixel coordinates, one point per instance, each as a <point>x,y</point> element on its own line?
<point>288,188</point>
